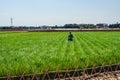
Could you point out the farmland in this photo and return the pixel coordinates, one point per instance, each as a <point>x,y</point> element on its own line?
<point>29,52</point>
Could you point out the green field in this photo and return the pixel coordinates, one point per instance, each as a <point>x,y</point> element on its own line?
<point>30,52</point>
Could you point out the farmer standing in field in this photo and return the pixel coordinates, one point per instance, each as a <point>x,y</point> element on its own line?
<point>70,37</point>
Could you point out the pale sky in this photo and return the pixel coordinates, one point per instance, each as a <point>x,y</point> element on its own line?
<point>58,12</point>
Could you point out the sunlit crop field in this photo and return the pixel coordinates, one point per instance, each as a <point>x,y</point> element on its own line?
<point>30,52</point>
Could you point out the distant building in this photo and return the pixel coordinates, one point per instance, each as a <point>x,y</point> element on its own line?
<point>82,26</point>
<point>102,25</point>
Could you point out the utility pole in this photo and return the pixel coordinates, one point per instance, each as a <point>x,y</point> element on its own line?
<point>11,22</point>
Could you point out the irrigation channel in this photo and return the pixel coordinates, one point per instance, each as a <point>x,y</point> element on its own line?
<point>107,72</point>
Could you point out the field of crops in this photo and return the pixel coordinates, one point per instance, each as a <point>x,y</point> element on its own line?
<point>29,52</point>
